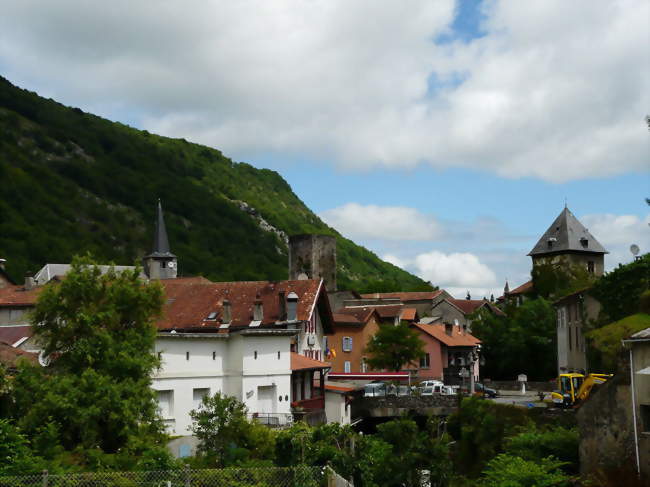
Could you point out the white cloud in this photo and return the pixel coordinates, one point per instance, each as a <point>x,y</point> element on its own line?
<point>454,270</point>
<point>382,222</point>
<point>617,233</point>
<point>554,90</point>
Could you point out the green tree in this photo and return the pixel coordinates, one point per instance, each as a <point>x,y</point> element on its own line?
<point>393,347</point>
<point>523,341</point>
<point>225,435</point>
<point>558,442</point>
<point>559,278</point>
<point>95,396</point>
<point>619,291</point>
<point>16,457</point>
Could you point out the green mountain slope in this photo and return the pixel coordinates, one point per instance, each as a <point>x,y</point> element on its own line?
<point>72,182</point>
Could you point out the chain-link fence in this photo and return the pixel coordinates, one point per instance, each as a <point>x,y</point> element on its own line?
<point>228,477</point>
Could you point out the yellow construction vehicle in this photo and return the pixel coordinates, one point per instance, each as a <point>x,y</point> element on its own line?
<point>575,388</point>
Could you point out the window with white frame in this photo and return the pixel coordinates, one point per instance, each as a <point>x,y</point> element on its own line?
<point>166,403</point>
<point>198,395</point>
<point>347,344</point>
<point>346,367</point>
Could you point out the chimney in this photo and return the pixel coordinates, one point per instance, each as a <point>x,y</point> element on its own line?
<point>282,306</point>
<point>227,314</point>
<point>448,328</point>
<point>29,282</point>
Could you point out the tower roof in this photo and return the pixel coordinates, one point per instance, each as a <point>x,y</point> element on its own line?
<point>160,240</point>
<point>567,234</point>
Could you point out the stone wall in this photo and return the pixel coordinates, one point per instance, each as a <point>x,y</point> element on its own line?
<point>606,428</point>
<point>392,406</point>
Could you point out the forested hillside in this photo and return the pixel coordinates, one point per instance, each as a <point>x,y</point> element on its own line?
<point>72,182</point>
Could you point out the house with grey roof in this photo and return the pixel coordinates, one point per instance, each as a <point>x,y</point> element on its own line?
<point>568,240</point>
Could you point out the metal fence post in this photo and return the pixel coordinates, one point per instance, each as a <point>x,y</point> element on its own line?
<point>44,480</point>
<point>187,475</point>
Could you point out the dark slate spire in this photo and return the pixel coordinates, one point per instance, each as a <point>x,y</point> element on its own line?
<point>160,240</point>
<point>567,234</point>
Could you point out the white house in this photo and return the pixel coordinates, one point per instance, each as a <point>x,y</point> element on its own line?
<point>256,341</point>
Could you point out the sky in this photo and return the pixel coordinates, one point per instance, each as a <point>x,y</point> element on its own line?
<point>444,136</point>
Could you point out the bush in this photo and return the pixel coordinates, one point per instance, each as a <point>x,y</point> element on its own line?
<point>512,471</point>
<point>558,442</point>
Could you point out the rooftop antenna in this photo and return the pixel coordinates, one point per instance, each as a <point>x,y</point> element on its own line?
<point>565,202</point>
<point>634,248</point>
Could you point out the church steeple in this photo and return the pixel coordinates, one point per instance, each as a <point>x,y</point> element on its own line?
<point>160,263</point>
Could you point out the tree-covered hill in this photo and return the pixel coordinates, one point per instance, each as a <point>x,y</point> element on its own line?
<point>72,182</point>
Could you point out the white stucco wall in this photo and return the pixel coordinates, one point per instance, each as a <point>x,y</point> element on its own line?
<point>335,408</point>
<point>226,365</point>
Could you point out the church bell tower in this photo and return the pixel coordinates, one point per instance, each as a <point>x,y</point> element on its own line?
<point>160,263</point>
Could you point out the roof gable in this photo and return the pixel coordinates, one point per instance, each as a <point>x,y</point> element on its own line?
<point>567,234</point>
<point>457,338</point>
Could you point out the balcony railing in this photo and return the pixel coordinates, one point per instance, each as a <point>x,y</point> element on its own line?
<point>273,420</point>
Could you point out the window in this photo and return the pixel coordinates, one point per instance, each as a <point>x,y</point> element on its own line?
<point>214,355</point>
<point>364,365</point>
<point>278,355</point>
<point>159,355</point>
<point>212,316</point>
<point>187,355</point>
<point>198,395</point>
<point>346,367</point>
<point>425,362</point>
<point>255,354</point>
<point>590,266</point>
<point>347,344</point>
<point>258,311</point>
<point>166,403</point>
<point>570,342</point>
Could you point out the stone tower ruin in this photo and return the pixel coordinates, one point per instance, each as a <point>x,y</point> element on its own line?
<point>313,257</point>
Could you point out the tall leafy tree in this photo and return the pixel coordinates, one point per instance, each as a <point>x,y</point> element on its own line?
<point>393,347</point>
<point>97,330</point>
<point>523,341</point>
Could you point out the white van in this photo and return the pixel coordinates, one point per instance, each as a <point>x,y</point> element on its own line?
<point>374,389</point>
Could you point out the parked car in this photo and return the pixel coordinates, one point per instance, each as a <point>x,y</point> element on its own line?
<point>485,391</point>
<point>374,389</point>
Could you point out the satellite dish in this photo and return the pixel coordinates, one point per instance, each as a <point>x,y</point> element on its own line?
<point>634,248</point>
<point>171,265</point>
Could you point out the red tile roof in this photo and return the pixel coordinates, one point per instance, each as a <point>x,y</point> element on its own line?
<point>389,311</point>
<point>332,387</point>
<point>300,362</point>
<point>11,296</point>
<point>457,338</point>
<point>11,334</point>
<point>409,314</point>
<point>523,289</point>
<point>9,355</point>
<point>353,315</point>
<point>190,301</point>
<point>406,296</point>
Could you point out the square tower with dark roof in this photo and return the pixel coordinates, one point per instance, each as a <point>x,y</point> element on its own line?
<point>567,239</point>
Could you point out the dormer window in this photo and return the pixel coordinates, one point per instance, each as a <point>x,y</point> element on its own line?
<point>292,306</point>
<point>584,242</point>
<point>258,311</point>
<point>212,316</point>
<point>551,241</point>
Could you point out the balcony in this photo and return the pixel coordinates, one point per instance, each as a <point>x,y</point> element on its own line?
<point>272,420</point>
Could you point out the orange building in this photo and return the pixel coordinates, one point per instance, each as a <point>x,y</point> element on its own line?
<point>353,327</point>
